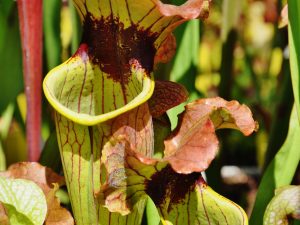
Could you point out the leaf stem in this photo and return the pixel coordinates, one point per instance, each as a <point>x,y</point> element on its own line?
<point>30,17</point>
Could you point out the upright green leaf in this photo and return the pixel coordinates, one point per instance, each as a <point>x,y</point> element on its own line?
<point>151,213</point>
<point>187,54</point>
<point>24,201</point>
<point>231,10</point>
<point>5,122</point>
<point>51,21</point>
<point>6,7</point>
<point>280,172</point>
<point>185,63</point>
<point>15,144</point>
<point>50,156</point>
<point>2,158</point>
<point>76,26</point>
<point>11,61</point>
<point>294,47</point>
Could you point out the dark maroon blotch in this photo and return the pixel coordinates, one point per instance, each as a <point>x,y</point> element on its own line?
<point>112,47</point>
<point>167,183</point>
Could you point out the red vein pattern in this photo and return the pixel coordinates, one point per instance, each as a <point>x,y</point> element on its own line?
<point>166,95</point>
<point>81,148</point>
<point>111,68</point>
<point>180,198</point>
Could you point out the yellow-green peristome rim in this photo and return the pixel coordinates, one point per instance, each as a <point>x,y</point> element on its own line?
<point>90,120</point>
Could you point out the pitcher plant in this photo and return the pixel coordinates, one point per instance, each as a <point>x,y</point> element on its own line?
<point>108,105</point>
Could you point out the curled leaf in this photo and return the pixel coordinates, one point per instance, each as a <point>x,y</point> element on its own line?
<point>283,19</point>
<point>226,114</point>
<point>56,215</point>
<point>137,126</point>
<point>81,150</point>
<point>180,198</point>
<point>34,172</point>
<point>120,165</point>
<point>166,95</point>
<point>49,182</point>
<point>194,144</point>
<point>284,205</point>
<point>188,151</point>
<point>191,9</point>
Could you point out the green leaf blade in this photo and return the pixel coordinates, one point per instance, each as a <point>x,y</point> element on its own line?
<point>5,124</point>
<point>24,201</point>
<point>185,64</point>
<point>16,218</point>
<point>280,172</point>
<point>294,47</point>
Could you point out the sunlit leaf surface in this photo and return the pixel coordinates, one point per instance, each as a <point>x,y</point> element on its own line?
<point>180,198</point>
<point>194,143</point>
<point>49,183</point>
<point>111,72</point>
<point>80,91</point>
<point>24,201</point>
<point>131,176</point>
<point>280,172</point>
<point>81,148</point>
<point>5,123</point>
<point>100,92</point>
<point>294,47</point>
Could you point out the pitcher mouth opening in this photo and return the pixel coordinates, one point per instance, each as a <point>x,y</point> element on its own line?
<point>112,71</point>
<point>80,91</point>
